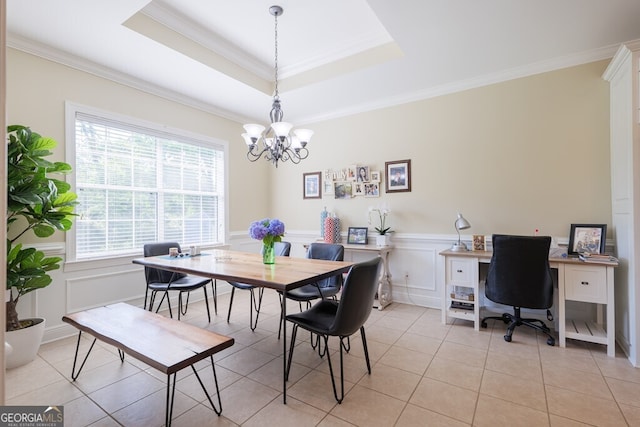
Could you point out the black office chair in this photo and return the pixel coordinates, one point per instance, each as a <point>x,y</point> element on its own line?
<point>341,318</point>
<point>165,281</point>
<point>326,288</point>
<point>519,275</point>
<point>280,249</point>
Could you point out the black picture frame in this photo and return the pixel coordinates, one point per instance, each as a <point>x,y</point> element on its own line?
<point>358,236</point>
<point>589,238</point>
<point>397,176</point>
<point>312,185</point>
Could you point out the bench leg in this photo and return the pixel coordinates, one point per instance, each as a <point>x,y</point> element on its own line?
<point>218,410</point>
<point>171,392</point>
<point>75,374</point>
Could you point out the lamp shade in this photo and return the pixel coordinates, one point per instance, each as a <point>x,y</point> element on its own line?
<point>304,135</point>
<point>462,223</point>
<point>281,129</point>
<point>247,139</point>
<point>254,130</point>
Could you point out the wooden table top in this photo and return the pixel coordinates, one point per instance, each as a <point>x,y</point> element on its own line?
<point>163,343</point>
<point>286,274</point>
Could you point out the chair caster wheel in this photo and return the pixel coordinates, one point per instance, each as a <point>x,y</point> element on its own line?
<point>551,341</point>
<point>483,324</point>
<point>507,338</point>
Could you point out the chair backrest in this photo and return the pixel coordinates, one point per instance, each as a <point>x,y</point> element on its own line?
<point>519,274</point>
<point>154,275</point>
<point>329,252</point>
<point>282,248</point>
<point>356,301</point>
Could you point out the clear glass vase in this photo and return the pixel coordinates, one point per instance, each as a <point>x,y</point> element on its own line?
<point>268,253</point>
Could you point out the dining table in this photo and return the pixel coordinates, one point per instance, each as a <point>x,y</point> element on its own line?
<point>285,274</point>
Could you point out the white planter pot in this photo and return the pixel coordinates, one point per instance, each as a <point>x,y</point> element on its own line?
<point>383,240</point>
<point>25,344</point>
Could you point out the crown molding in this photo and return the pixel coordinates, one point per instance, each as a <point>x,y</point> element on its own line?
<point>472,83</point>
<point>176,21</point>
<point>619,59</point>
<point>73,61</point>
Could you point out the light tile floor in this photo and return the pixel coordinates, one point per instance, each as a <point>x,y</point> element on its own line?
<point>424,373</point>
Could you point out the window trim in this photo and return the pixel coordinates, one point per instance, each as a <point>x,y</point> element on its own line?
<point>71,111</point>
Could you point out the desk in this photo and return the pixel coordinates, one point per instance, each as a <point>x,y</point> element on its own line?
<point>286,274</point>
<point>577,281</point>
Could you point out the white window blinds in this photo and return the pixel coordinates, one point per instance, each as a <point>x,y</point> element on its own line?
<point>137,185</point>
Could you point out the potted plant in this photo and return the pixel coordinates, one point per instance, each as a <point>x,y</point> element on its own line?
<point>384,231</point>
<point>38,203</point>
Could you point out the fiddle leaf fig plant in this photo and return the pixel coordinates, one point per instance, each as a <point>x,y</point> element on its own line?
<point>38,203</point>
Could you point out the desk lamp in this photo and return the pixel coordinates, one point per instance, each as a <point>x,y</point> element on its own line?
<point>460,224</point>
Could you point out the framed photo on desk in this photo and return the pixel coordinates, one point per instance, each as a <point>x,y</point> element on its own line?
<point>589,238</point>
<point>357,236</point>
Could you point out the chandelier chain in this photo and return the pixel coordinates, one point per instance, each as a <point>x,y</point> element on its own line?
<point>276,57</point>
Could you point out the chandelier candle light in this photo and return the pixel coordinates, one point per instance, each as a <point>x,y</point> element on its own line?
<point>269,231</point>
<point>278,142</point>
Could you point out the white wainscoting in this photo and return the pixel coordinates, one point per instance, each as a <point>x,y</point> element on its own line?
<point>416,268</point>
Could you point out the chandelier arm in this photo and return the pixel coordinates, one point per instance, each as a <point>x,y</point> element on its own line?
<point>254,153</point>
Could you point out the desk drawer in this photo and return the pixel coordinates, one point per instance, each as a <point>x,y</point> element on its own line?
<point>586,283</point>
<point>460,271</point>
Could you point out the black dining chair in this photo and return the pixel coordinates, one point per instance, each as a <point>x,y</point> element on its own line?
<point>255,302</point>
<point>329,318</point>
<point>326,288</point>
<point>520,276</point>
<point>166,281</point>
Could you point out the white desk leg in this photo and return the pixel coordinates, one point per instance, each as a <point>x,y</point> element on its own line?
<point>562,340</point>
<point>384,283</point>
<point>611,321</point>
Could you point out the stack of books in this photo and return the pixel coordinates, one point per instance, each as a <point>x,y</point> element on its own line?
<point>462,295</point>
<point>598,258</point>
<point>462,305</point>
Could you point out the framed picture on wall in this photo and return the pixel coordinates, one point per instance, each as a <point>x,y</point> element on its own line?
<point>371,189</point>
<point>362,174</point>
<point>587,238</point>
<point>398,176</point>
<point>342,189</point>
<point>327,187</point>
<point>374,176</point>
<point>311,183</point>
<point>357,236</point>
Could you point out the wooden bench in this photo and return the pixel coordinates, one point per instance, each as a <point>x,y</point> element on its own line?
<point>165,344</point>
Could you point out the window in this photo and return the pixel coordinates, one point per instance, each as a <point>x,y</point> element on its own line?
<point>139,183</point>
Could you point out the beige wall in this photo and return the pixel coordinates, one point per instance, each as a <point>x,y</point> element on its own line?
<point>38,89</point>
<point>512,157</point>
<point>515,156</point>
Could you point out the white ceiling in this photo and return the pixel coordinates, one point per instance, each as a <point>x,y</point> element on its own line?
<point>336,57</point>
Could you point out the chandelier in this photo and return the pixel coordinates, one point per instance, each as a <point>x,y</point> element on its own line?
<point>278,141</point>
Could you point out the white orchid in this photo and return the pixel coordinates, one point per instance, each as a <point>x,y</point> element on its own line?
<point>382,212</point>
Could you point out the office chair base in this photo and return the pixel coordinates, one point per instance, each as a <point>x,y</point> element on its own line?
<point>513,320</point>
